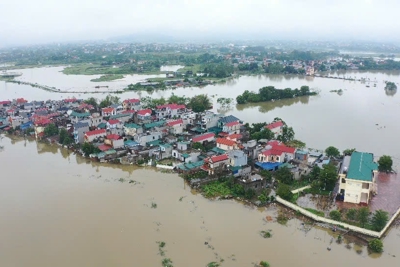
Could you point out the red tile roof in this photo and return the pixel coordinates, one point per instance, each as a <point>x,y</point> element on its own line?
<point>171,106</point>
<point>144,112</point>
<point>6,102</point>
<point>104,147</point>
<point>96,132</point>
<point>132,100</point>
<point>112,122</point>
<point>176,122</point>
<point>70,100</point>
<point>113,136</point>
<point>203,137</point>
<point>233,123</point>
<point>21,100</point>
<point>277,148</point>
<point>226,142</point>
<point>107,110</point>
<point>235,136</point>
<point>42,121</point>
<point>219,158</point>
<point>274,125</point>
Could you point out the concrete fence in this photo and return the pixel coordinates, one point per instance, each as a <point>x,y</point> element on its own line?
<point>326,220</point>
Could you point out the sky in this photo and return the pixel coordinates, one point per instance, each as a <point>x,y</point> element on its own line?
<point>44,21</point>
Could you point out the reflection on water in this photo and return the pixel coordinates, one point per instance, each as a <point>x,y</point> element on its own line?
<point>390,92</point>
<point>265,107</point>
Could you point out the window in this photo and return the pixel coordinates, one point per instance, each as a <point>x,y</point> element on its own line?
<point>343,180</point>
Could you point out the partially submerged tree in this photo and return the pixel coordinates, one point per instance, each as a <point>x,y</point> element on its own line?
<point>385,163</point>
<point>50,130</point>
<point>379,220</point>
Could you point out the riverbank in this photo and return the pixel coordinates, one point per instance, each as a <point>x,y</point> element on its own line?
<point>108,77</point>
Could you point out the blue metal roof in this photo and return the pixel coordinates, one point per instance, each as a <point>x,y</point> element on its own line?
<point>269,166</point>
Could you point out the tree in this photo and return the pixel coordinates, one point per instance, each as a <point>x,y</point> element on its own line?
<point>328,177</point>
<point>332,151</point>
<point>63,135</point>
<point>198,146</point>
<point>287,134</point>
<point>335,215</point>
<point>375,245</point>
<point>314,174</point>
<point>348,152</point>
<point>284,175</point>
<point>249,193</point>
<point>109,100</point>
<point>385,163</point>
<point>50,130</point>
<point>92,101</point>
<point>174,99</point>
<point>379,220</point>
<point>200,103</point>
<point>351,214</point>
<point>89,148</point>
<point>267,175</point>
<point>363,216</point>
<point>284,192</point>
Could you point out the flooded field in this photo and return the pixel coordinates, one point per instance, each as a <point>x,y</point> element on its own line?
<point>58,209</point>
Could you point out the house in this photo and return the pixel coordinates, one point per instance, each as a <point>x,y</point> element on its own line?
<point>215,164</point>
<point>80,128</point>
<point>131,104</point>
<point>16,121</point>
<point>118,108</point>
<point>114,140</point>
<point>132,129</point>
<point>227,119</point>
<point>237,158</point>
<point>77,116</point>
<point>115,126</point>
<point>107,112</point>
<point>143,115</point>
<point>92,135</point>
<point>254,182</point>
<point>234,137</point>
<point>357,182</point>
<point>170,111</point>
<point>5,103</point>
<point>175,126</point>
<point>163,152</point>
<point>226,144</point>
<point>232,127</point>
<point>301,155</point>
<point>252,149</point>
<point>208,137</point>
<point>122,117</point>
<point>209,120</point>
<point>276,152</point>
<point>275,127</point>
<point>145,138</point>
<point>95,119</point>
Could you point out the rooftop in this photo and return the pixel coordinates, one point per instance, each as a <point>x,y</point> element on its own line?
<point>96,132</point>
<point>361,166</point>
<point>274,125</point>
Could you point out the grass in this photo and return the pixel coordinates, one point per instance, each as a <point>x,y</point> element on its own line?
<point>316,212</point>
<point>108,77</point>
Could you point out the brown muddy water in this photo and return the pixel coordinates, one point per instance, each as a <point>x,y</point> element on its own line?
<point>57,209</point>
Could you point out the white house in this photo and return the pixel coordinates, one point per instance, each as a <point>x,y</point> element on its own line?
<point>213,163</point>
<point>232,127</point>
<point>92,135</point>
<point>275,127</point>
<point>175,126</point>
<point>358,181</point>
<point>276,152</point>
<point>226,144</point>
<point>132,129</point>
<point>170,111</point>
<point>106,112</point>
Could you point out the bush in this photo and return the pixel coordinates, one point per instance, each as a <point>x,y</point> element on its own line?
<point>264,264</point>
<point>351,214</point>
<point>379,220</point>
<point>335,215</point>
<point>284,192</point>
<point>375,245</point>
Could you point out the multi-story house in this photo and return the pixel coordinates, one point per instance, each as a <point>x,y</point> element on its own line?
<point>226,144</point>
<point>215,164</point>
<point>275,127</point>
<point>232,127</point>
<point>276,152</point>
<point>132,129</point>
<point>143,116</point>
<point>114,140</point>
<point>175,126</point>
<point>76,117</point>
<point>145,138</point>
<point>92,135</point>
<point>209,120</point>
<point>80,128</point>
<point>357,182</point>
<point>131,104</point>
<point>170,111</point>
<point>107,112</point>
<point>207,137</point>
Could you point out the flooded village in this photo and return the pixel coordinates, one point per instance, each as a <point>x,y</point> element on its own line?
<point>221,156</point>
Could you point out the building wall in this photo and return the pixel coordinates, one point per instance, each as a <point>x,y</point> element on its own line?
<point>354,189</point>
<point>224,147</point>
<point>90,138</point>
<point>79,134</point>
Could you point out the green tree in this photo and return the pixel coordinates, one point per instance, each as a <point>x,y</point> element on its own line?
<point>200,103</point>
<point>249,193</point>
<point>287,134</point>
<point>332,151</point>
<point>351,214</point>
<point>50,130</point>
<point>385,163</point>
<point>379,220</point>
<point>284,175</point>
<point>92,101</point>
<point>109,100</point>
<point>267,175</point>
<point>349,151</point>
<point>328,177</point>
<point>174,99</point>
<point>375,245</point>
<point>63,135</point>
<point>284,192</point>
<point>89,148</point>
<point>335,215</point>
<point>263,197</point>
<point>363,216</point>
<point>198,146</point>
<point>314,174</point>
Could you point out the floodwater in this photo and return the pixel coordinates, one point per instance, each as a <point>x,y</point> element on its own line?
<point>57,209</point>
<point>362,117</point>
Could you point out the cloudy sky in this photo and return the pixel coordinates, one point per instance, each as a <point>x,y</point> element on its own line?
<point>41,21</point>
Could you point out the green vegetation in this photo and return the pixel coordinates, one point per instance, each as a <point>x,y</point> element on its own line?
<point>213,264</point>
<point>375,245</point>
<point>348,152</point>
<point>335,215</point>
<point>108,77</point>
<point>161,246</point>
<point>153,205</point>
<point>282,219</point>
<point>324,179</point>
<point>332,151</point>
<point>351,214</point>
<point>226,186</point>
<point>316,212</point>
<point>363,216</point>
<point>89,148</point>
<point>271,93</point>
<point>195,175</point>
<point>264,264</point>
<point>92,101</point>
<point>167,262</point>
<point>385,163</point>
<point>121,180</point>
<point>284,192</point>
<point>258,131</point>
<point>296,143</point>
<point>51,130</point>
<point>390,86</point>
<point>266,234</point>
<point>109,100</point>
<point>199,103</point>
<point>148,86</point>
<point>379,220</point>
<point>284,175</point>
<point>64,138</point>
